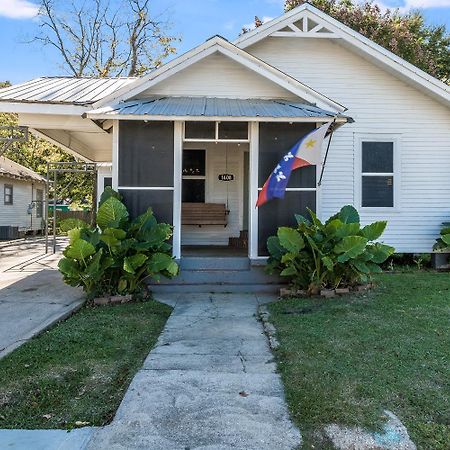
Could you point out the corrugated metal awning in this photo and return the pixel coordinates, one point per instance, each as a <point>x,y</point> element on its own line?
<point>199,107</point>
<point>63,90</point>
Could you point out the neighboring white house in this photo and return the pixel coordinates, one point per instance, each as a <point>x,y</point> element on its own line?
<point>235,108</point>
<point>22,197</point>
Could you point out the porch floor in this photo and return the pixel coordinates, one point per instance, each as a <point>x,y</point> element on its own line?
<point>221,251</point>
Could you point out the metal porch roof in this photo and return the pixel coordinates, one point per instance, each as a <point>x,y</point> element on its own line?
<point>63,90</point>
<point>213,107</point>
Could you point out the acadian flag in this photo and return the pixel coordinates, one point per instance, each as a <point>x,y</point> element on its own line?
<point>306,152</point>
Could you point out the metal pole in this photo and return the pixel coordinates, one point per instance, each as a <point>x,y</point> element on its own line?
<point>326,155</point>
<point>54,212</point>
<point>46,204</point>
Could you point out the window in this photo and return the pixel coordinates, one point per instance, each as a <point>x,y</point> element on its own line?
<point>216,131</point>
<point>107,182</point>
<point>378,173</point>
<point>8,194</point>
<point>39,203</point>
<point>194,176</point>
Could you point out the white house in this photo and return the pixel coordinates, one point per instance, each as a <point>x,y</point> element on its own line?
<point>22,197</point>
<point>198,137</point>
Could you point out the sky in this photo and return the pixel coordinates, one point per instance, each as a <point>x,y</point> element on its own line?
<point>193,21</point>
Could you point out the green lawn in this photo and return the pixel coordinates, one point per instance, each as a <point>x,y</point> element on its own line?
<point>80,369</point>
<point>345,360</point>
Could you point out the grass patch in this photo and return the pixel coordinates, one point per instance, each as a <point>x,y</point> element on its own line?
<point>80,369</point>
<point>345,360</point>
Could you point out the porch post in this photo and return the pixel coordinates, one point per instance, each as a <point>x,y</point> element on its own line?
<point>253,190</point>
<point>115,155</point>
<point>177,179</point>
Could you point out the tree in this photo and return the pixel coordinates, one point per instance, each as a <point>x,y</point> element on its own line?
<point>406,35</point>
<point>105,37</point>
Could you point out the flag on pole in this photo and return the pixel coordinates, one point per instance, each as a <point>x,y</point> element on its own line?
<point>306,152</point>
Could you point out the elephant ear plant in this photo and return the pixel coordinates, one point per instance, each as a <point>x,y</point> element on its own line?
<point>337,253</point>
<point>118,255</point>
<point>443,241</point>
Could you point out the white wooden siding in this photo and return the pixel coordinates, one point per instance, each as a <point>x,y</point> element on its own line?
<point>380,104</point>
<point>17,214</point>
<point>218,76</point>
<point>216,192</point>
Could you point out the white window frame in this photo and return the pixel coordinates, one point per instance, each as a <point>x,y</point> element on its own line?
<point>378,137</point>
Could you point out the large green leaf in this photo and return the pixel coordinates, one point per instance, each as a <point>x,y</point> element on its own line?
<point>112,214</point>
<point>361,266</point>
<point>348,214</point>
<point>79,250</point>
<point>143,223</point>
<point>347,229</point>
<point>274,247</point>
<point>374,230</point>
<point>69,267</point>
<point>118,233</point>
<point>350,247</point>
<point>290,239</point>
<point>71,223</point>
<point>94,269</point>
<point>74,234</point>
<point>159,262</point>
<point>289,271</point>
<point>380,252</point>
<point>328,262</point>
<point>132,263</point>
<point>157,235</point>
<point>107,194</point>
<point>446,238</point>
<point>173,269</point>
<point>302,220</point>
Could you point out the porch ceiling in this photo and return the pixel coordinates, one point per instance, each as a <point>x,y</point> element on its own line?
<point>208,108</point>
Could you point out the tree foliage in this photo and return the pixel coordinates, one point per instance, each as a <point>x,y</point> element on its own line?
<point>406,35</point>
<point>105,37</point>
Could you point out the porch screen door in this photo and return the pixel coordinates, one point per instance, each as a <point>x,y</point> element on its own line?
<point>146,158</point>
<point>275,140</point>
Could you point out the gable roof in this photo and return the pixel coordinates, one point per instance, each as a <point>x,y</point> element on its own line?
<point>63,90</point>
<point>11,169</point>
<point>335,29</point>
<point>218,44</point>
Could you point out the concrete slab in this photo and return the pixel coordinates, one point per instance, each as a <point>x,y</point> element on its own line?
<point>32,293</point>
<point>45,439</point>
<point>210,383</point>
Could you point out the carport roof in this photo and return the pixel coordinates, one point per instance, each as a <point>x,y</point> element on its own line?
<point>63,90</point>
<point>211,107</point>
<point>12,169</point>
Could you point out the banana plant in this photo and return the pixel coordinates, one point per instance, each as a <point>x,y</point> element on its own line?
<point>117,256</point>
<point>336,253</point>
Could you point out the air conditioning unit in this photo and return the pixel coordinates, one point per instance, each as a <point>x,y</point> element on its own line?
<point>7,233</point>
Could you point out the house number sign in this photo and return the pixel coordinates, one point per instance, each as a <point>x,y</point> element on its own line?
<point>226,177</point>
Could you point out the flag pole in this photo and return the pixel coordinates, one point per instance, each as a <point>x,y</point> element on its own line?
<point>326,154</point>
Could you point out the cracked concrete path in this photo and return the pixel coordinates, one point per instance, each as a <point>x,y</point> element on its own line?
<point>210,383</point>
<point>32,293</point>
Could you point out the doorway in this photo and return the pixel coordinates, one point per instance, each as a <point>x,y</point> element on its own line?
<point>215,199</point>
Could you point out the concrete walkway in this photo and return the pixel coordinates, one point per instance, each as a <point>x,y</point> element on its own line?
<point>32,293</point>
<point>210,384</point>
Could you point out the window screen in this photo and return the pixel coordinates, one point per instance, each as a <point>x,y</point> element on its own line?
<point>39,203</point>
<point>200,130</point>
<point>233,130</point>
<point>377,172</point>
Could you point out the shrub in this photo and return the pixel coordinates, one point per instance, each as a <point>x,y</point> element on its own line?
<point>443,241</point>
<point>118,255</point>
<point>337,253</point>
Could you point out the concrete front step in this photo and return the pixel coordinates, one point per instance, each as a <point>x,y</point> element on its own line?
<point>214,263</point>
<point>253,275</point>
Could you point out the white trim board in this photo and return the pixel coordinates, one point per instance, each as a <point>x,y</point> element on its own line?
<point>354,39</point>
